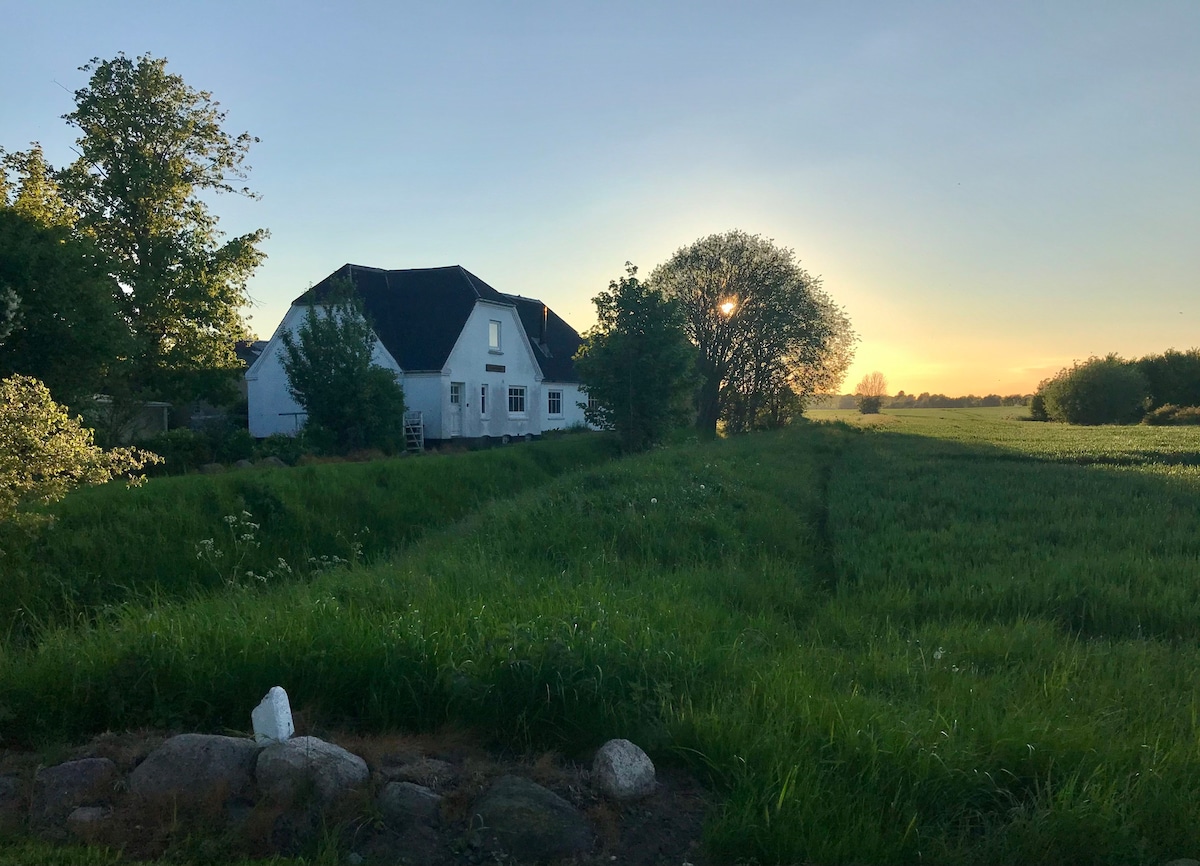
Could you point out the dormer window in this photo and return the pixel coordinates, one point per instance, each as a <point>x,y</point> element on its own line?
<point>494,336</point>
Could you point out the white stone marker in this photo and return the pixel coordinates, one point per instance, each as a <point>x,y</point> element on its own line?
<point>272,719</point>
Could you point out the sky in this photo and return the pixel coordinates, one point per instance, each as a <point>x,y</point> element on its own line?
<point>990,190</point>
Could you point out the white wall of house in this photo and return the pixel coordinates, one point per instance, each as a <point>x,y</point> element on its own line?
<point>270,405</point>
<point>513,367</point>
<point>469,364</point>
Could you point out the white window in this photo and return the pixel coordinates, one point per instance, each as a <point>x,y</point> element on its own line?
<point>593,403</point>
<point>516,400</point>
<point>483,406</point>
<point>554,402</point>
<point>493,336</point>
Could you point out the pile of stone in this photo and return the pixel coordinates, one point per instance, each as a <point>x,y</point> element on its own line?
<point>290,788</point>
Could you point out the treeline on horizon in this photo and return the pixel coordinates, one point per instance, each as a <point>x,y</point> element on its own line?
<point>924,400</point>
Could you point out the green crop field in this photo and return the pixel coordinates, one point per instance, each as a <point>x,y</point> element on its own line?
<point>926,637</point>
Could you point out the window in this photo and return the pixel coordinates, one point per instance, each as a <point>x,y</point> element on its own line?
<point>516,400</point>
<point>593,403</point>
<point>483,409</point>
<point>493,336</point>
<point>554,402</point>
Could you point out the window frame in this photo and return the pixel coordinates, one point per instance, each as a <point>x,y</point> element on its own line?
<point>483,401</point>
<point>517,395</point>
<point>554,395</point>
<point>495,337</point>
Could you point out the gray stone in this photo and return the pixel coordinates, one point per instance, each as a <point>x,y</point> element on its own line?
<point>527,822</point>
<point>272,718</point>
<point>59,790</point>
<point>243,464</point>
<point>272,461</point>
<point>197,768</point>
<point>211,469</point>
<point>429,772</point>
<point>623,771</point>
<point>86,821</point>
<point>404,804</point>
<point>12,803</point>
<point>288,769</point>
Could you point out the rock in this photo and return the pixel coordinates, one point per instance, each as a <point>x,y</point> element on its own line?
<point>243,464</point>
<point>86,821</point>
<point>286,769</point>
<point>403,804</point>
<point>197,768</point>
<point>430,772</point>
<point>272,461</point>
<point>272,718</point>
<point>527,822</point>
<point>623,771</point>
<point>59,790</point>
<point>211,469</point>
<point>12,804</point>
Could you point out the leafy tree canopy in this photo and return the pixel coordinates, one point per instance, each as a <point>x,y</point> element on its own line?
<point>149,145</point>
<point>636,363</point>
<point>765,330</point>
<point>351,402</point>
<point>59,320</point>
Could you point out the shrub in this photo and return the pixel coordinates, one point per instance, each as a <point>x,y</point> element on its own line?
<point>870,405</point>
<point>45,453</point>
<point>1173,415</point>
<point>1108,390</point>
<point>1174,377</point>
<point>1037,406</point>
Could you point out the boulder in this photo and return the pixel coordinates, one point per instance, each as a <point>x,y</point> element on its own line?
<point>272,461</point>
<point>528,823</point>
<point>623,771</point>
<point>430,772</point>
<point>12,804</point>
<point>286,770</point>
<point>59,790</point>
<point>404,804</point>
<point>88,821</point>
<point>211,469</point>
<point>197,768</point>
<point>243,464</point>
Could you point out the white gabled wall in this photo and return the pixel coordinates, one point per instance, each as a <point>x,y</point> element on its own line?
<point>270,406</point>
<point>468,364</point>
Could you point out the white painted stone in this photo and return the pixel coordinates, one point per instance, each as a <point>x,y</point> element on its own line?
<point>272,718</point>
<point>623,771</point>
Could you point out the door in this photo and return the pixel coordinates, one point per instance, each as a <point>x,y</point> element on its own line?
<point>456,408</point>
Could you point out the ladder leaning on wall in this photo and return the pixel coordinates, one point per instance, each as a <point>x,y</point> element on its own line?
<point>414,431</point>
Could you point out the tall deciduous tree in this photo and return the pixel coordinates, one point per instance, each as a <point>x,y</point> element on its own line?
<point>57,299</point>
<point>149,146</point>
<point>636,363</point>
<point>351,402</point>
<point>767,335</point>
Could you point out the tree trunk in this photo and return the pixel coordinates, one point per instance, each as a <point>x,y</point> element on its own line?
<point>708,407</point>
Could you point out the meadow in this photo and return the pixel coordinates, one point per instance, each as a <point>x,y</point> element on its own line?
<point>929,637</point>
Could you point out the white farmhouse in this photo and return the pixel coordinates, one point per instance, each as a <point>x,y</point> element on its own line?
<point>476,363</point>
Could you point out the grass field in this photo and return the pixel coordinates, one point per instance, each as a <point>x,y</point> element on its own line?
<point>934,637</point>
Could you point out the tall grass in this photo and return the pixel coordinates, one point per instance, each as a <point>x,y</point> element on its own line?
<point>878,647</point>
<point>114,545</point>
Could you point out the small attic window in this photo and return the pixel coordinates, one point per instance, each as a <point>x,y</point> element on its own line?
<point>494,336</point>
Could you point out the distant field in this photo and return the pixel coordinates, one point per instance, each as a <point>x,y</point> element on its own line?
<point>940,636</point>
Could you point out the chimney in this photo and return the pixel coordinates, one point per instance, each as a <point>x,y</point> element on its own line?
<point>542,333</point>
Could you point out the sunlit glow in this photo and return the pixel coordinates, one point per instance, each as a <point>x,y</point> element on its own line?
<point>728,307</point>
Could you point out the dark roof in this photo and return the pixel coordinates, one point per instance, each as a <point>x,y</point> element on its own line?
<point>554,341</point>
<point>248,351</point>
<point>419,313</point>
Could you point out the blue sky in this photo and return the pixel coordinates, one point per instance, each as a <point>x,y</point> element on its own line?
<point>991,190</point>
